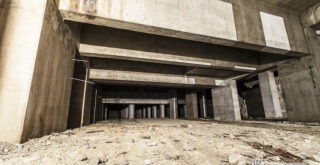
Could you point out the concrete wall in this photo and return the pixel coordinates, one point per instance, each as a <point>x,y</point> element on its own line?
<point>215,16</point>
<point>20,36</point>
<point>300,81</point>
<point>228,22</point>
<point>49,99</point>
<point>36,50</point>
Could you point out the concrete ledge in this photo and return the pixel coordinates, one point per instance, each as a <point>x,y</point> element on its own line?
<point>129,77</point>
<point>134,101</point>
<point>144,56</point>
<point>102,21</point>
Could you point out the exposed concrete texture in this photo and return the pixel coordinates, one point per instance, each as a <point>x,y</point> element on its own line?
<point>131,111</point>
<point>226,102</point>
<point>139,113</point>
<point>134,101</point>
<point>162,111</point>
<point>203,105</point>
<point>191,111</point>
<point>311,17</point>
<point>149,112</point>
<point>29,105</point>
<point>224,23</point>
<point>130,77</point>
<point>173,101</point>
<point>144,112</point>
<point>275,31</point>
<point>16,70</point>
<point>126,112</point>
<point>155,111</point>
<point>300,82</point>
<point>270,95</point>
<point>215,16</point>
<point>295,5</point>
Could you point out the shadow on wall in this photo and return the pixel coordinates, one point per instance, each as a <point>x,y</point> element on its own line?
<point>4,12</point>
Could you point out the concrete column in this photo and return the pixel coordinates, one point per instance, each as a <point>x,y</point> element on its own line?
<point>105,112</point>
<point>131,111</point>
<point>144,113</point>
<point>203,105</point>
<point>270,95</point>
<point>173,101</point>
<point>184,110</point>
<point>139,113</point>
<point>149,112</point>
<point>102,111</point>
<point>191,105</point>
<point>95,107</point>
<point>155,111</point>
<point>162,111</point>
<point>226,102</point>
<point>126,113</point>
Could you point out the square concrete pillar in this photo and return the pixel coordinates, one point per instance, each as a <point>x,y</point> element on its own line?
<point>28,63</point>
<point>270,95</point>
<point>149,112</point>
<point>203,105</point>
<point>155,111</point>
<point>131,112</point>
<point>162,111</point>
<point>173,101</point>
<point>226,102</point>
<point>191,105</point>
<point>144,113</point>
<point>122,116</point>
<point>139,113</point>
<point>126,113</point>
<point>106,112</point>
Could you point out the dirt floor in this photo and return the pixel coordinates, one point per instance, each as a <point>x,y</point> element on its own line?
<point>172,142</point>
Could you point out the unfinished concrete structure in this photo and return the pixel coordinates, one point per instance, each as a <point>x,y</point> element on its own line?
<point>68,63</point>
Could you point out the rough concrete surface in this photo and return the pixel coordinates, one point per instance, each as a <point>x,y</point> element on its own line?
<point>231,23</point>
<point>17,69</point>
<point>171,142</point>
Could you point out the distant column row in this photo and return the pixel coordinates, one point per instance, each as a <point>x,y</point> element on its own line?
<point>146,112</point>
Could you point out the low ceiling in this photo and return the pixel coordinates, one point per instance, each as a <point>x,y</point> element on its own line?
<point>297,5</point>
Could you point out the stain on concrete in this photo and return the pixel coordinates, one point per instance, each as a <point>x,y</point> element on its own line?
<point>90,6</point>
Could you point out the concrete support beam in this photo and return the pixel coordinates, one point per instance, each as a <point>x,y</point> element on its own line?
<point>173,101</point>
<point>134,101</point>
<point>163,58</point>
<point>172,20</point>
<point>155,111</point>
<point>149,112</point>
<point>162,111</point>
<point>129,77</point>
<point>226,102</point>
<point>191,105</point>
<point>311,17</point>
<point>203,105</point>
<point>131,112</point>
<point>270,95</point>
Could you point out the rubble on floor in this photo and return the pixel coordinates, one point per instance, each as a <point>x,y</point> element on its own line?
<point>172,142</point>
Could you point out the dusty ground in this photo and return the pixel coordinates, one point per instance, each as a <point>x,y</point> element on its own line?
<point>171,142</point>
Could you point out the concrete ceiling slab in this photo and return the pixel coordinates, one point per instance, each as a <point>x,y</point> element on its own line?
<point>297,5</point>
